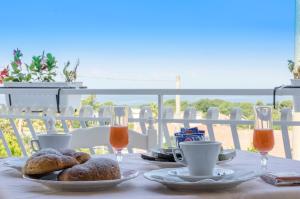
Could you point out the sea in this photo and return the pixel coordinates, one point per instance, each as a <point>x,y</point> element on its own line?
<point>137,100</point>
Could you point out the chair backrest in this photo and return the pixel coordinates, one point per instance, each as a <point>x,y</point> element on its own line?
<point>89,137</point>
<point>189,113</point>
<point>99,136</point>
<point>168,113</point>
<point>145,114</point>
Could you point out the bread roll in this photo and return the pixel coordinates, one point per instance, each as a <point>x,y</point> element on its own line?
<point>92,170</point>
<point>81,157</point>
<point>47,163</point>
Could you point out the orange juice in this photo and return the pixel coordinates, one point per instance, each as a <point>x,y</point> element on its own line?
<point>263,139</point>
<point>119,137</point>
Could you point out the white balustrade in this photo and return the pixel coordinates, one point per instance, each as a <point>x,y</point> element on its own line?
<point>164,117</point>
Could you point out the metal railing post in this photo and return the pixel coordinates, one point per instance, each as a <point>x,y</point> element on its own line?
<point>286,115</point>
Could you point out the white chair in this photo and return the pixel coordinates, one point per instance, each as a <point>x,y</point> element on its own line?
<point>212,114</point>
<point>145,114</point>
<point>189,113</point>
<point>99,136</point>
<point>104,112</point>
<point>168,113</point>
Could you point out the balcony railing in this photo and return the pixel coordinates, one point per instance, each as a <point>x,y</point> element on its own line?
<point>162,119</point>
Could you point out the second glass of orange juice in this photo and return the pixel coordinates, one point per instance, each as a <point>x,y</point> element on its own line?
<point>263,137</point>
<point>119,130</point>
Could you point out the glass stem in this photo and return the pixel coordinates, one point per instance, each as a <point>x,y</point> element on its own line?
<point>263,161</point>
<point>119,155</point>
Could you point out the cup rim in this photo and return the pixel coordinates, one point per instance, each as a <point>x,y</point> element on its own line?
<point>194,143</point>
<point>55,134</point>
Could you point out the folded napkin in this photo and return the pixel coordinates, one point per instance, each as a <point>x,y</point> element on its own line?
<point>281,179</point>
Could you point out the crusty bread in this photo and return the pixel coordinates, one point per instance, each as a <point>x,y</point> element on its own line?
<point>81,157</point>
<point>93,169</point>
<point>47,163</point>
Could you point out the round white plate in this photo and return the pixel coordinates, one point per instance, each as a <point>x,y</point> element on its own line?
<point>52,183</point>
<point>15,163</point>
<point>175,183</point>
<point>184,174</point>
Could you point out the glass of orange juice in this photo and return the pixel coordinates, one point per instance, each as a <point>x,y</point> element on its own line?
<point>119,130</point>
<point>263,137</point>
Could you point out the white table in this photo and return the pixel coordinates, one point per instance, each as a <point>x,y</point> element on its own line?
<point>13,186</point>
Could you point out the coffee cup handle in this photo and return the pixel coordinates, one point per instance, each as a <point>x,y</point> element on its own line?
<point>35,143</point>
<point>180,160</point>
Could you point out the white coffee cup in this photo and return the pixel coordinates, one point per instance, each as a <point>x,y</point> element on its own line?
<point>55,141</point>
<point>199,156</point>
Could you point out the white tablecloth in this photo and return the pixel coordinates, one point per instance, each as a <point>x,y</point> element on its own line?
<point>13,186</point>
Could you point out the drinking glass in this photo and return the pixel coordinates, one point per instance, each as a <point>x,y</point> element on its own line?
<point>263,137</point>
<point>119,130</point>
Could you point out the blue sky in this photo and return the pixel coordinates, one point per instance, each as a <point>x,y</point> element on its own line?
<point>146,43</point>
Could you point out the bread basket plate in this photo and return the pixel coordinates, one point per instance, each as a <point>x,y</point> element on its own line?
<point>51,182</point>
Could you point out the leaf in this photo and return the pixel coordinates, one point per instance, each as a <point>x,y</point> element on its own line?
<point>14,66</point>
<point>28,77</point>
<point>65,70</point>
<point>291,65</point>
<point>50,62</point>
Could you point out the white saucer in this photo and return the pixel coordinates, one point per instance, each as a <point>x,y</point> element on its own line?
<point>175,183</point>
<point>218,173</point>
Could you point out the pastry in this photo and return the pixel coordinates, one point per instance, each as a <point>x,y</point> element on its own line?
<point>46,163</point>
<point>81,157</point>
<point>92,170</point>
<point>46,151</point>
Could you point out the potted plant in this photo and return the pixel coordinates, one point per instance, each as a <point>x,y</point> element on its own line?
<point>40,73</point>
<point>295,70</point>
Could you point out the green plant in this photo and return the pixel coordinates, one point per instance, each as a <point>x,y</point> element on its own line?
<point>91,101</point>
<point>291,65</point>
<point>70,75</point>
<point>15,72</point>
<point>252,149</point>
<point>172,103</point>
<point>154,109</point>
<point>293,69</point>
<point>42,68</point>
<point>12,144</point>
